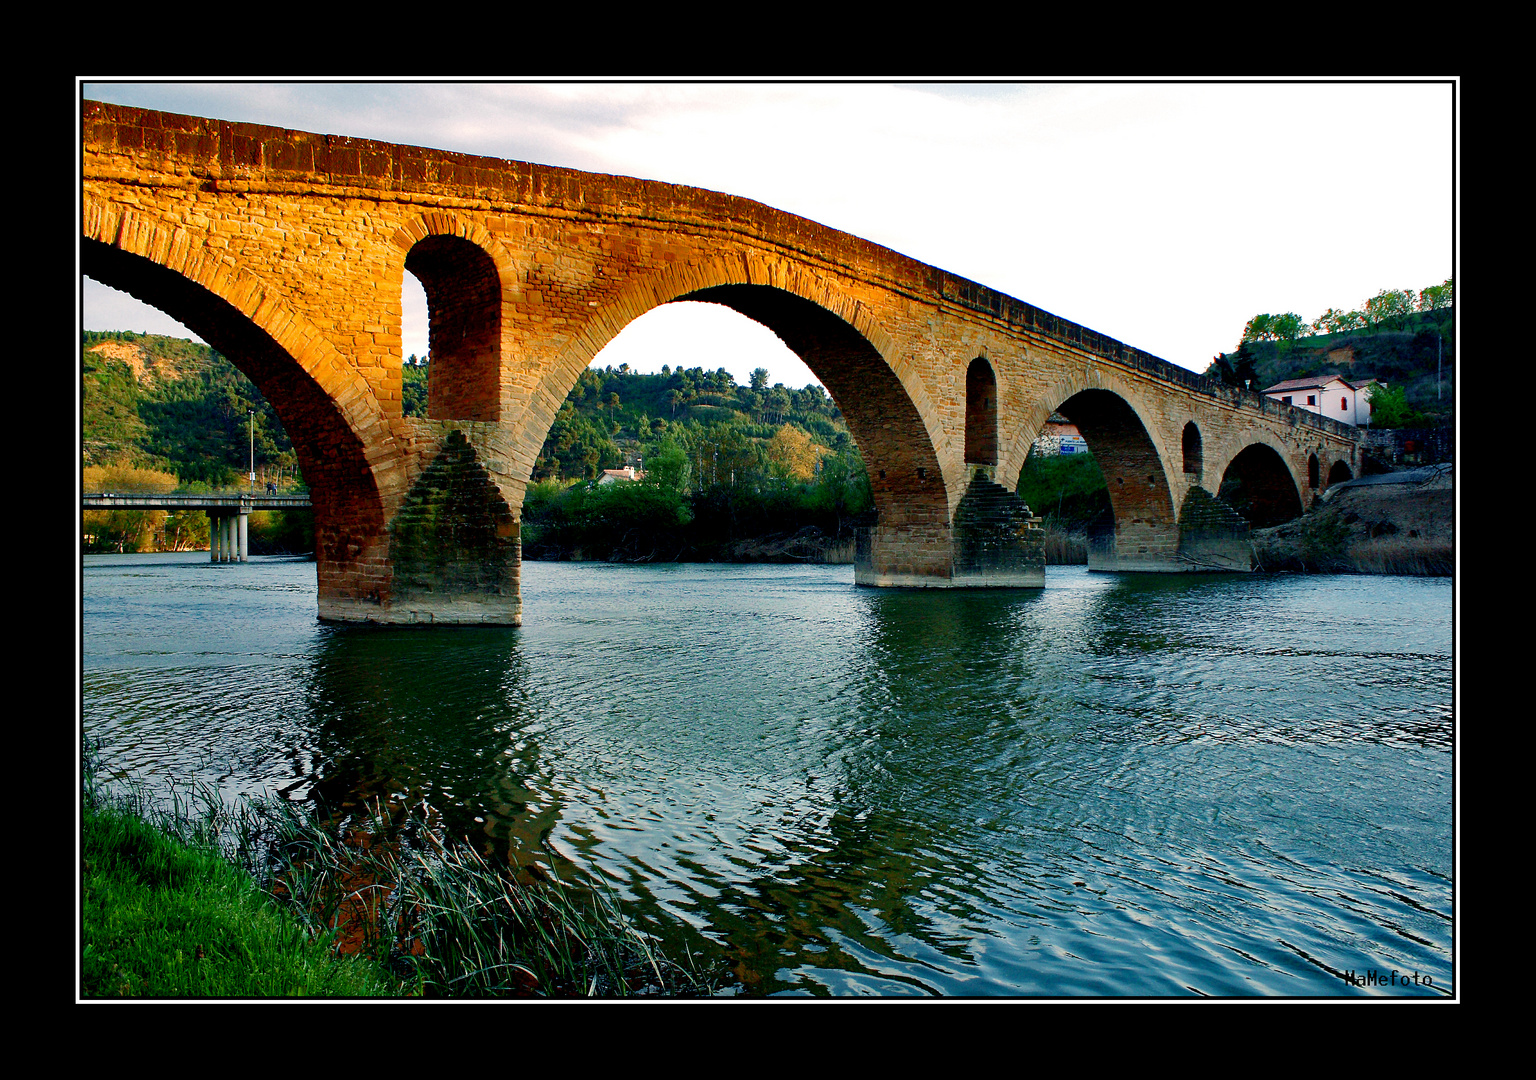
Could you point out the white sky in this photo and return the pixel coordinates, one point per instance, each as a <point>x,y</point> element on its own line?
<point>1162,214</point>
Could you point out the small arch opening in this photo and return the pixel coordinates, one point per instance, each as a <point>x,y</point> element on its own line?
<point>980,413</point>
<point>1312,471</point>
<point>1339,473</point>
<point>463,292</point>
<point>1193,452</point>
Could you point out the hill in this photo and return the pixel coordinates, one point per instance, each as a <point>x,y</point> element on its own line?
<point>1413,351</point>
<point>176,406</point>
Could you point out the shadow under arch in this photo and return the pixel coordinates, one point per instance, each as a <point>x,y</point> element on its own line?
<point>332,450</point>
<point>1142,532</point>
<point>1258,484</point>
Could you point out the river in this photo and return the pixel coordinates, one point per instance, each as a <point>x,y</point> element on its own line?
<point>1119,786</point>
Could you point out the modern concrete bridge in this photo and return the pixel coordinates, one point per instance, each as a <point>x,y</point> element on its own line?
<point>228,513</point>
<point>285,251</point>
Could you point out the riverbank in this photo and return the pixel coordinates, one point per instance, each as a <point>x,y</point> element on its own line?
<point>165,915</point>
<point>269,901</point>
<point>1395,523</point>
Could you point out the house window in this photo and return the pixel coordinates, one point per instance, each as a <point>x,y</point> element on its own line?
<point>1286,400</point>
<point>1311,399</point>
<point>1343,404</point>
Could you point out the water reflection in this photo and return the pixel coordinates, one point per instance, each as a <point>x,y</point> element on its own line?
<point>1116,785</point>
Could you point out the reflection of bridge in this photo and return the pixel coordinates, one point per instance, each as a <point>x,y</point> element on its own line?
<point>227,513</point>
<point>285,251</point>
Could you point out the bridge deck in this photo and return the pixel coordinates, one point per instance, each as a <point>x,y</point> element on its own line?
<point>228,502</point>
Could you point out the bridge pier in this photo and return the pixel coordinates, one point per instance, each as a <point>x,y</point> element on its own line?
<point>994,542</point>
<point>228,536</point>
<point>1209,536</point>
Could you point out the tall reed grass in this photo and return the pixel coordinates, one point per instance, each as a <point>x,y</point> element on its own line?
<point>438,918</point>
<point>1400,555</point>
<point>1065,546</point>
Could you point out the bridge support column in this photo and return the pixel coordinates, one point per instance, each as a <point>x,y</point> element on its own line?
<point>228,536</point>
<point>452,555</point>
<point>993,543</point>
<point>1136,546</point>
<point>998,543</point>
<point>1212,535</point>
<point>904,547</point>
<point>1209,536</point>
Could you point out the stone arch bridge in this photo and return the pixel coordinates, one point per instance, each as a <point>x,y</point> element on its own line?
<point>285,251</point>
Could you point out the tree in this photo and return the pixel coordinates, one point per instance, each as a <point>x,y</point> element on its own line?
<point>668,468</point>
<point>124,530</point>
<point>1389,406</point>
<point>792,455</point>
<point>1334,321</point>
<point>1388,304</point>
<point>1436,297</point>
<point>1288,327</point>
<point>1259,328</point>
<point>760,378</point>
<point>1241,371</point>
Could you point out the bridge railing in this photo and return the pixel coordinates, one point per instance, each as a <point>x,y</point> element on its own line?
<point>229,502</point>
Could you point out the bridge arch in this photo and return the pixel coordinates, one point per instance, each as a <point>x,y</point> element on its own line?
<point>1339,472</point>
<point>880,395</point>
<point>1260,484</point>
<point>1137,469</point>
<point>329,412</point>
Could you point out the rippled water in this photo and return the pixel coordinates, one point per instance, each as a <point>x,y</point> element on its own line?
<point>1117,785</point>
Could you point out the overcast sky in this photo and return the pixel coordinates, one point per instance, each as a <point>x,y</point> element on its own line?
<point>1162,214</point>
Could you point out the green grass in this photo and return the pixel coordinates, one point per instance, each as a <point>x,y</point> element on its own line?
<point>167,919</point>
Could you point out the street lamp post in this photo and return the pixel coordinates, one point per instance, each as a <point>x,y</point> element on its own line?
<point>253,449</point>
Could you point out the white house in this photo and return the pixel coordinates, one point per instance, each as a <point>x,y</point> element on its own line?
<point>1330,395</point>
<point>613,476</point>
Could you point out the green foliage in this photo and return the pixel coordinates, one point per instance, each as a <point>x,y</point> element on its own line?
<point>413,388</point>
<point>1066,489</point>
<point>1413,352</point>
<point>1286,327</point>
<point>1436,297</point>
<point>1241,370</point>
<point>263,899</point>
<point>175,405</point>
<point>1390,408</point>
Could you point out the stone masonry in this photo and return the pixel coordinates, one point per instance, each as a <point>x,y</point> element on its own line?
<point>286,251</point>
